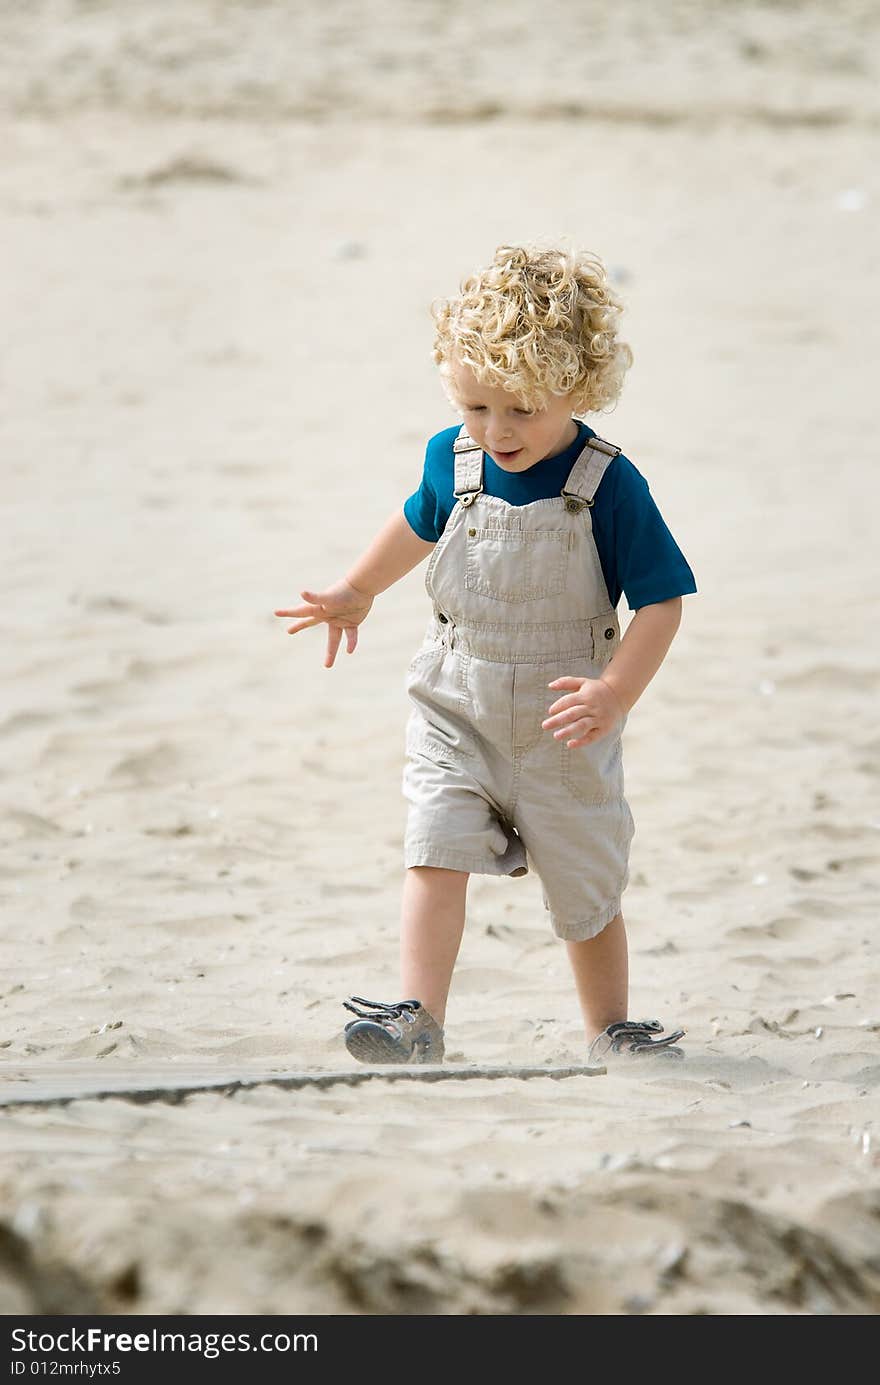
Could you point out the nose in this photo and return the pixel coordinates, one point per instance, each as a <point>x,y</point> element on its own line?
<point>498,430</point>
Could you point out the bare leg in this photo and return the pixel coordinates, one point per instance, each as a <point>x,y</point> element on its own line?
<point>431,925</point>
<point>600,967</point>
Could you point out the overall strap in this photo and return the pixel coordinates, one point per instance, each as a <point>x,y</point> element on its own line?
<point>468,468</point>
<point>580,489</point>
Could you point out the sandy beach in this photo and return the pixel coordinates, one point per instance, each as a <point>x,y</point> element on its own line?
<point>223,225</point>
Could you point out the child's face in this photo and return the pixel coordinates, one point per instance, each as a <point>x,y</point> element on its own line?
<point>514,435</point>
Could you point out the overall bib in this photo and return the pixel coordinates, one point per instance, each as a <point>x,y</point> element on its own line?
<point>518,599</point>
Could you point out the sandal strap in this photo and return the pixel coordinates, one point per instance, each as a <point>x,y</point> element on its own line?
<point>623,1027</point>
<point>634,1036</point>
<point>639,1045</point>
<point>379,1009</point>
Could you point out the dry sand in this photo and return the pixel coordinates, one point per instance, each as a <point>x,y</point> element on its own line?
<point>222,225</point>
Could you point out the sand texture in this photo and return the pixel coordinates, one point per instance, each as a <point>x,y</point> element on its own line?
<point>222,227</point>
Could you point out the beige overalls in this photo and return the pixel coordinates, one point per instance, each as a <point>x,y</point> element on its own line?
<point>519,600</point>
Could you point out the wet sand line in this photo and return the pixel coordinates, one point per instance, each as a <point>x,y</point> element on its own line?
<point>63,1094</point>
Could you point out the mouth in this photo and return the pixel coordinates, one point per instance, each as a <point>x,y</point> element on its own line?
<point>506,456</point>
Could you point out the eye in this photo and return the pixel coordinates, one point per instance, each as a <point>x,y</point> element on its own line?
<point>526,413</point>
<point>474,408</point>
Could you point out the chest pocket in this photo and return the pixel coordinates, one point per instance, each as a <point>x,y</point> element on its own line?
<point>516,564</point>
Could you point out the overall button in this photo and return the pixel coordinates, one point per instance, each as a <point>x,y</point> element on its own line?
<point>444,620</point>
<point>472,533</point>
<point>609,633</point>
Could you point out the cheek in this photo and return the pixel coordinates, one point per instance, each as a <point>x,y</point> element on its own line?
<point>539,436</point>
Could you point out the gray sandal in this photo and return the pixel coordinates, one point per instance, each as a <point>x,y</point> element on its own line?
<point>635,1037</point>
<point>403,1032</point>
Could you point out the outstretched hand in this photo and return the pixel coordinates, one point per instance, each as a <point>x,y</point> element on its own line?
<point>589,711</point>
<point>341,607</point>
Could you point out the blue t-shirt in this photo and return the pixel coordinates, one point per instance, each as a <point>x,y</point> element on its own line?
<point>639,556</point>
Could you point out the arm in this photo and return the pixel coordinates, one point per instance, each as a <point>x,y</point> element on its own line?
<point>594,706</point>
<point>642,650</point>
<point>394,552</point>
<point>345,605</point>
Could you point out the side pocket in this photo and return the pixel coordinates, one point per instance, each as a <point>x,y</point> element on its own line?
<point>424,656</point>
<point>437,687</point>
<point>593,774</point>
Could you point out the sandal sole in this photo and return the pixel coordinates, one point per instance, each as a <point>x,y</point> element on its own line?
<point>370,1043</point>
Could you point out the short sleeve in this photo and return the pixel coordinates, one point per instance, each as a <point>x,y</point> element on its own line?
<point>428,508</point>
<point>647,564</point>
<point>420,511</point>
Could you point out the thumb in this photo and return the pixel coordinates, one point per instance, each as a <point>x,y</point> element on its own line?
<point>565,683</point>
<point>315,598</point>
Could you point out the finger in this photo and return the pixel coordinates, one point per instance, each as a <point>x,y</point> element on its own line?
<point>302,625</point>
<point>316,598</point>
<point>351,639</point>
<point>565,683</point>
<point>334,635</point>
<point>560,719</point>
<point>584,740</point>
<point>567,719</point>
<point>574,729</point>
<point>309,610</point>
<point>577,723</point>
<point>563,703</point>
<point>581,734</point>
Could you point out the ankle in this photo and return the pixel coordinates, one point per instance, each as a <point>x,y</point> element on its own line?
<point>436,1010</point>
<point>594,1029</point>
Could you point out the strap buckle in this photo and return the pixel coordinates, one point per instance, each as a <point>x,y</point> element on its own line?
<point>609,448</point>
<point>575,503</point>
<point>465,443</point>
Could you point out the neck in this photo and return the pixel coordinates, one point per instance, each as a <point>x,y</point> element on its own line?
<point>569,436</point>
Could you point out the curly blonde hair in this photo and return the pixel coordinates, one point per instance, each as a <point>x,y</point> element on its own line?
<point>537,322</point>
